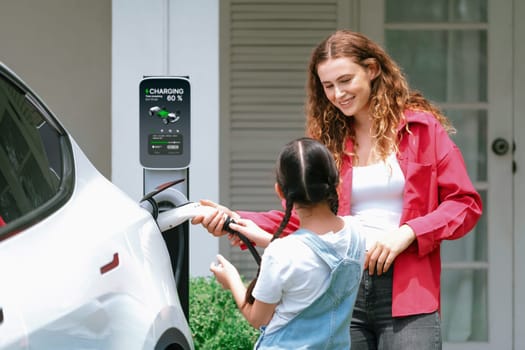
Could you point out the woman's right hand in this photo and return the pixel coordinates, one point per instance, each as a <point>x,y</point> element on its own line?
<point>214,222</point>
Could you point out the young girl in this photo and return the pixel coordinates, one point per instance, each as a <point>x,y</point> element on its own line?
<point>307,283</point>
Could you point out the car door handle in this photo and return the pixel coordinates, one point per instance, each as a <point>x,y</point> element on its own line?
<point>110,265</point>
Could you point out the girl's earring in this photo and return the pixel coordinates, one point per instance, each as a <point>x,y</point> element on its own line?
<point>279,191</point>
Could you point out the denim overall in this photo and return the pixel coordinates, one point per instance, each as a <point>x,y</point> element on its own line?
<point>325,324</point>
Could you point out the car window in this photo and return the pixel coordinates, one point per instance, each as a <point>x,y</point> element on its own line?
<point>35,161</point>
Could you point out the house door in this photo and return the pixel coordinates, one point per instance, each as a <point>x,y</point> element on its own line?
<point>459,53</point>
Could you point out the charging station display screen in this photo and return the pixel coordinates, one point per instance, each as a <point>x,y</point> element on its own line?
<point>165,144</point>
<point>164,122</point>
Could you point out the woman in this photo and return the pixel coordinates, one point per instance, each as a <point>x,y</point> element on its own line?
<point>401,176</point>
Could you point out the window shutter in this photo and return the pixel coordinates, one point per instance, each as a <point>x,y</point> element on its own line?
<point>265,48</point>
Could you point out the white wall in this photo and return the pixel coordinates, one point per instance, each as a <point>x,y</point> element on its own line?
<point>519,180</point>
<point>163,37</point>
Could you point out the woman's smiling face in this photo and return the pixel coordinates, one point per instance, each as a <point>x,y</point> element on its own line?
<point>347,84</point>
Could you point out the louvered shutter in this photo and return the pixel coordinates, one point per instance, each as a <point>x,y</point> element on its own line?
<point>265,47</point>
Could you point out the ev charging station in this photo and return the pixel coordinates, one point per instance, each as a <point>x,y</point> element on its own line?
<point>165,152</point>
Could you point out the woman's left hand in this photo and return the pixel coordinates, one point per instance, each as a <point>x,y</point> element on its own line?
<point>381,255</point>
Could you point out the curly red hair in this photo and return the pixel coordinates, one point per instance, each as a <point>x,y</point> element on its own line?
<point>390,96</point>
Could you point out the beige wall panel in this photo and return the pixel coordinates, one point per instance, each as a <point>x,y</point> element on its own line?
<point>62,49</point>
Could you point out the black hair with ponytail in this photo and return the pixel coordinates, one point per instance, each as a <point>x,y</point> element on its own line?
<point>307,175</point>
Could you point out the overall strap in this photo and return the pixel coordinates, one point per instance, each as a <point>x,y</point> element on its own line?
<point>327,253</point>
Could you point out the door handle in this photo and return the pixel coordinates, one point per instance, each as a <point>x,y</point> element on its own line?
<point>500,146</point>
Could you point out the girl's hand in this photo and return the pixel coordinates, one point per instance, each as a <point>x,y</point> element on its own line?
<point>258,313</point>
<point>383,253</point>
<point>225,273</point>
<point>253,232</point>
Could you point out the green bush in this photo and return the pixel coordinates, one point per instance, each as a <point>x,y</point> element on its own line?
<point>215,321</point>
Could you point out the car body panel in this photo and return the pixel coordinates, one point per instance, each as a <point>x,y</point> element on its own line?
<point>94,274</point>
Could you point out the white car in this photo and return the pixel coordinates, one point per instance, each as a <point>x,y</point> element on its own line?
<point>82,265</point>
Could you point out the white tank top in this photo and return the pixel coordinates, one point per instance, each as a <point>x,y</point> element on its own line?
<point>377,197</point>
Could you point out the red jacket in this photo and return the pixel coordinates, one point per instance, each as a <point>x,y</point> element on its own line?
<point>439,203</point>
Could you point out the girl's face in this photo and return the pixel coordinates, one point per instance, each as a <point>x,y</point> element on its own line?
<point>347,85</point>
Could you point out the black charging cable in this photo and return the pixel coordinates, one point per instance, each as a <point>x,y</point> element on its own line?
<point>243,238</point>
